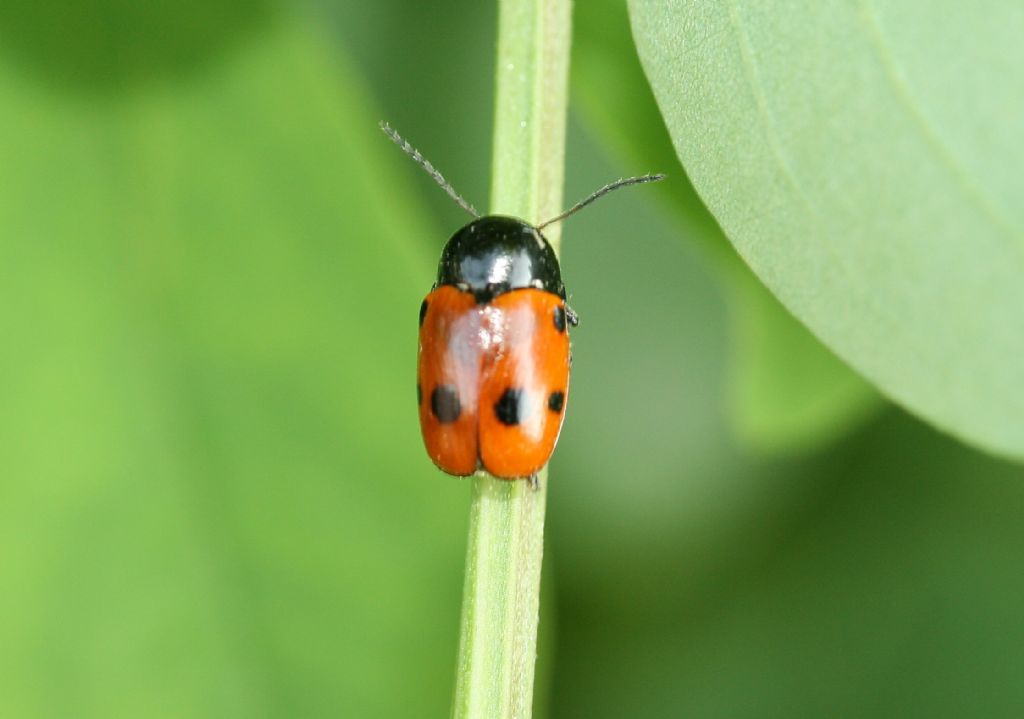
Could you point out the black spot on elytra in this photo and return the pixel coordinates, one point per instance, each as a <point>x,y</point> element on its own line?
<point>423,311</point>
<point>511,407</point>
<point>556,400</point>
<point>560,318</point>
<point>444,403</point>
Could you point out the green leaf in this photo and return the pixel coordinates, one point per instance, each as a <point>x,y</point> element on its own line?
<point>865,162</point>
<point>215,502</point>
<point>786,391</point>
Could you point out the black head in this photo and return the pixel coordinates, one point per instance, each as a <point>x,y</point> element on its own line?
<point>495,254</point>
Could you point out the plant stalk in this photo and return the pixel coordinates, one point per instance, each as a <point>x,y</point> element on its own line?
<point>498,633</point>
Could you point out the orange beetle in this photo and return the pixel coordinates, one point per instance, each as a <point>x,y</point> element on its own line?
<point>494,358</point>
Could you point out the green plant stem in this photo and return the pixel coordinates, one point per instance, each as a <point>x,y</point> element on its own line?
<point>498,635</point>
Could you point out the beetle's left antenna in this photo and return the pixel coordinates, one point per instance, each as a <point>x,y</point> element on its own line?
<point>425,164</point>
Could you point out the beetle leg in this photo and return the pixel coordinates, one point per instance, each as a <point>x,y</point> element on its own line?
<point>570,314</point>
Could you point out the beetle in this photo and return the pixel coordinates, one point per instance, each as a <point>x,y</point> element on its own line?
<point>492,380</point>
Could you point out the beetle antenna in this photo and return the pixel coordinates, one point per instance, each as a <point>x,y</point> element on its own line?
<point>610,187</point>
<point>425,164</point>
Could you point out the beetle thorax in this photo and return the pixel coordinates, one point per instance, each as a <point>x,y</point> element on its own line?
<point>497,254</point>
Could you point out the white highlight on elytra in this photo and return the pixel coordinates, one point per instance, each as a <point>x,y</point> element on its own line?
<point>491,332</point>
<point>482,339</point>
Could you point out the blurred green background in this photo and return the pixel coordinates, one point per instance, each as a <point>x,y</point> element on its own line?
<point>213,497</point>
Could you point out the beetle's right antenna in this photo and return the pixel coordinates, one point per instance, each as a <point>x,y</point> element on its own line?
<point>610,187</point>
<point>425,164</point>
